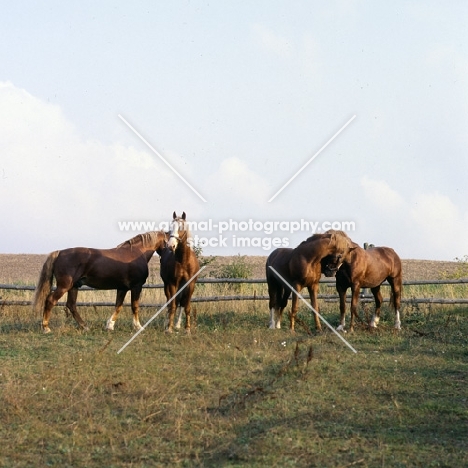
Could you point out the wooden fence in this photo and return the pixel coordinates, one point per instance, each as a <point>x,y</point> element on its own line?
<point>254,297</point>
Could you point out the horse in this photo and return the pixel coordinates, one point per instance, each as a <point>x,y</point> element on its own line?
<point>178,265</point>
<point>302,267</point>
<point>124,268</point>
<point>369,269</point>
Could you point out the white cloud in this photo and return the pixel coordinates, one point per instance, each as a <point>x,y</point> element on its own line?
<point>234,180</point>
<point>441,222</point>
<point>427,225</point>
<point>380,193</point>
<point>59,190</point>
<point>272,42</point>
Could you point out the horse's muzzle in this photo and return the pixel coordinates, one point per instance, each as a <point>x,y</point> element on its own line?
<point>330,270</point>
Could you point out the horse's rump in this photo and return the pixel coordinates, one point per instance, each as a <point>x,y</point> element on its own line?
<point>279,260</point>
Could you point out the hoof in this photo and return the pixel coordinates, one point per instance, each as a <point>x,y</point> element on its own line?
<point>168,330</point>
<point>110,325</point>
<point>45,330</point>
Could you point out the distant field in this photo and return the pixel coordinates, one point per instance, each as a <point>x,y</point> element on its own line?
<point>25,268</point>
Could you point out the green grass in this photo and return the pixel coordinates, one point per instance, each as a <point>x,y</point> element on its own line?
<point>234,393</point>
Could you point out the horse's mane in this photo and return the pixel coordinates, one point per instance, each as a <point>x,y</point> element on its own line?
<point>342,241</point>
<point>314,237</point>
<point>145,240</point>
<point>340,237</point>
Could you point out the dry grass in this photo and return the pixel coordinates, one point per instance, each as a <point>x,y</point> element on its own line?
<point>233,393</point>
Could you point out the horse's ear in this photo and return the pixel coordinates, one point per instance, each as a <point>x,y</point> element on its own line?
<point>183,215</point>
<point>174,216</point>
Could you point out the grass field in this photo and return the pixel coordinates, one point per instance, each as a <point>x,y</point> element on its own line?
<point>234,393</point>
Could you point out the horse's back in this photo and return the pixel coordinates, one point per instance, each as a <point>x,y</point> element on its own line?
<point>387,256</point>
<point>102,269</point>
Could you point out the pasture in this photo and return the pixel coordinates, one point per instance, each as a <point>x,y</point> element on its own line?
<point>234,393</point>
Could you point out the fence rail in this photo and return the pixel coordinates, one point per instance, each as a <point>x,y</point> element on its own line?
<point>254,297</point>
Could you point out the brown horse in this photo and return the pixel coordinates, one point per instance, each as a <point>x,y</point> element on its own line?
<point>369,269</point>
<point>302,267</point>
<point>178,265</point>
<point>123,268</point>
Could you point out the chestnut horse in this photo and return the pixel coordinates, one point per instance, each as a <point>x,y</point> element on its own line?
<point>124,268</point>
<point>302,267</point>
<point>178,265</point>
<point>369,269</point>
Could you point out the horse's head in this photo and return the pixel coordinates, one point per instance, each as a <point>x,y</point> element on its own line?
<point>178,231</point>
<point>329,266</point>
<point>340,246</point>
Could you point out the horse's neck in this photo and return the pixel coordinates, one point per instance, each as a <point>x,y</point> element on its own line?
<point>148,254</point>
<point>136,250</point>
<point>182,252</point>
<point>316,250</point>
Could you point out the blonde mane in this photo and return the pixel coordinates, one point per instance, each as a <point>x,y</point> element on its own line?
<point>146,240</point>
<point>340,238</point>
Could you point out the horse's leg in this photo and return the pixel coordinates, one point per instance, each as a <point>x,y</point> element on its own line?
<point>354,303</point>
<point>274,294</point>
<point>135,299</point>
<point>188,318</point>
<point>273,318</point>
<point>119,300</point>
<point>342,294</point>
<point>378,303</point>
<point>277,304</point>
<point>50,302</point>
<point>281,304</point>
<point>313,293</point>
<point>170,291</point>
<point>71,306</point>
<point>294,307</point>
<point>274,322</point>
<point>178,318</point>
<point>188,306</point>
<point>395,284</point>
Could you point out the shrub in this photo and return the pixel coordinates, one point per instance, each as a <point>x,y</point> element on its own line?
<point>238,268</point>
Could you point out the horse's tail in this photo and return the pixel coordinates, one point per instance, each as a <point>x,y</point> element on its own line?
<point>44,284</point>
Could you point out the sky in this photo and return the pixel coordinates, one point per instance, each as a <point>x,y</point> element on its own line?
<point>114,112</point>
